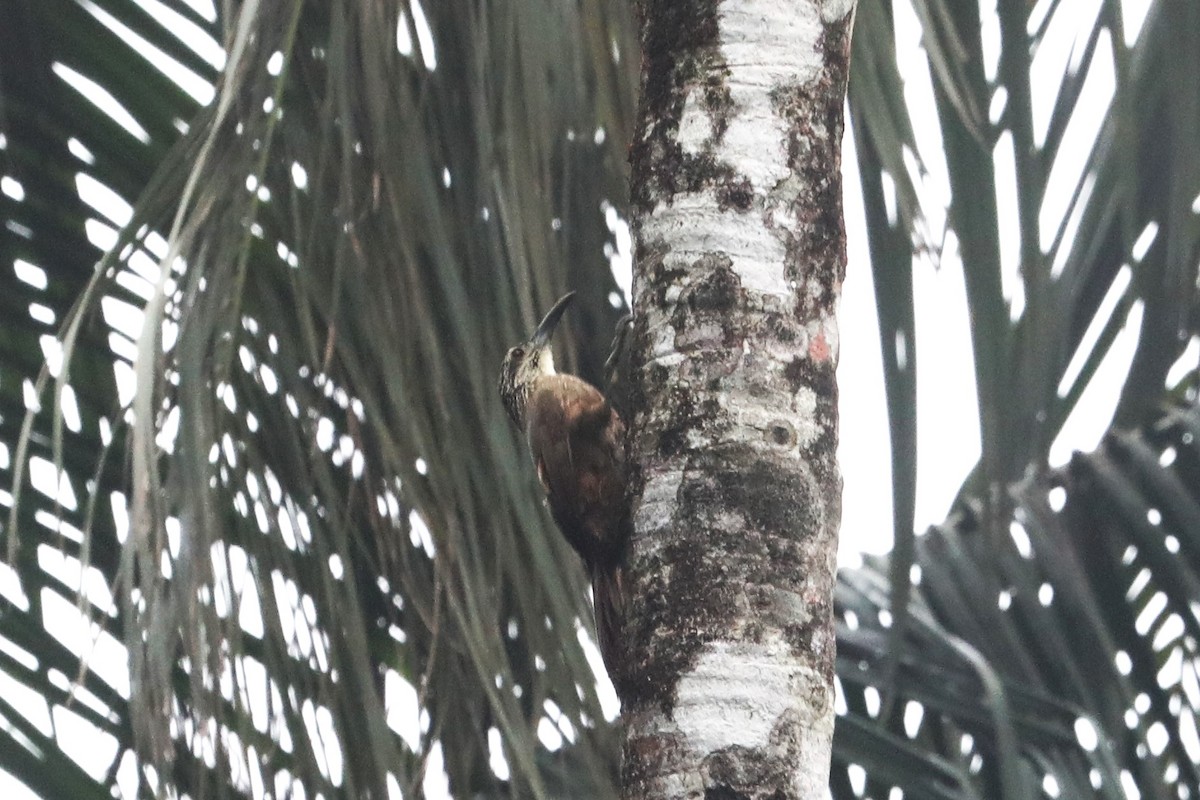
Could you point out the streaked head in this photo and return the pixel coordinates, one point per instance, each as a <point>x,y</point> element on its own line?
<point>528,360</point>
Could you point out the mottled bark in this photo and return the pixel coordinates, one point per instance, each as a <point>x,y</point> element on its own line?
<point>736,187</point>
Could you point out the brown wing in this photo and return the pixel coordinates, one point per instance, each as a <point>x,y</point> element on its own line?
<point>576,441</point>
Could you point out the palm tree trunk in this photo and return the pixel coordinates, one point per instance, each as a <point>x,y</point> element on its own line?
<point>728,683</point>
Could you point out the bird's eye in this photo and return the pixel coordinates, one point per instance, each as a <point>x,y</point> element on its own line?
<point>518,352</point>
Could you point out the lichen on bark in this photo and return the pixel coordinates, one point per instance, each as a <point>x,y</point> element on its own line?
<point>736,188</point>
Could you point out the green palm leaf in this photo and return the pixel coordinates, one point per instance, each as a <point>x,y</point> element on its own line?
<point>1080,669</point>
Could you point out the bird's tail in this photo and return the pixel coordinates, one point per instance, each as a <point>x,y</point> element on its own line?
<point>608,599</point>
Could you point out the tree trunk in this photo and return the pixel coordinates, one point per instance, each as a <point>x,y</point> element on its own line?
<point>736,189</point>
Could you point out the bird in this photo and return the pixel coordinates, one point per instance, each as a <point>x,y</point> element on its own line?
<point>576,439</point>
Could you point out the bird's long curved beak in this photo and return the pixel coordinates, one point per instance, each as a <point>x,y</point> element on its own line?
<point>541,337</point>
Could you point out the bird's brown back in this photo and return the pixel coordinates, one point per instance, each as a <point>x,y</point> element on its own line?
<point>576,440</point>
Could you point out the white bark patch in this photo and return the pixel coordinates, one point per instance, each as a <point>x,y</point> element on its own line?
<point>694,125</point>
<point>737,693</point>
<point>780,204</point>
<point>807,430</point>
<point>752,418</point>
<point>753,142</point>
<point>760,43</point>
<point>696,226</point>
<point>834,10</point>
<point>659,500</point>
<point>662,341</point>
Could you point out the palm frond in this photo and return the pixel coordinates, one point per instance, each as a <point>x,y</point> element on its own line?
<point>1063,656</point>
<point>1079,263</point>
<point>326,496</point>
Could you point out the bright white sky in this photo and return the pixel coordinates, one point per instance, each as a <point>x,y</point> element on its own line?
<point>948,440</point>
